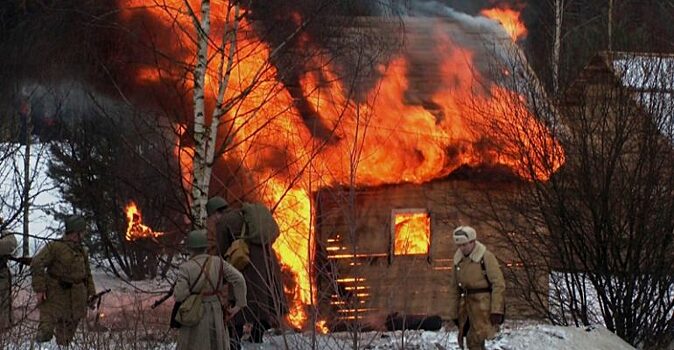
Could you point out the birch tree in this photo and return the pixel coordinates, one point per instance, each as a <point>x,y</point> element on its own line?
<point>217,55</point>
<point>205,133</point>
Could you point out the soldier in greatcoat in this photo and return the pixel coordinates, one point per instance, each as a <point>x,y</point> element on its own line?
<point>210,276</point>
<point>267,304</point>
<point>476,290</point>
<point>8,245</point>
<point>61,278</point>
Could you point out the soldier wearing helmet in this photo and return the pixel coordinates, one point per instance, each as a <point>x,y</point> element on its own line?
<point>8,245</point>
<point>477,289</point>
<point>216,207</point>
<point>266,302</point>
<point>62,283</point>
<point>210,276</point>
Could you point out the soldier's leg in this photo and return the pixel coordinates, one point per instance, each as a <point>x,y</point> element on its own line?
<point>235,334</point>
<point>48,318</point>
<point>475,342</point>
<point>257,333</point>
<point>480,324</point>
<point>65,331</point>
<point>5,302</point>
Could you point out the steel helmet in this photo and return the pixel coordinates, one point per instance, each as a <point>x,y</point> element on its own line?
<point>197,239</point>
<point>214,204</point>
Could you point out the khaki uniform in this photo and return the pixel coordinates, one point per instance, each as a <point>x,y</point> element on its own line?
<point>61,269</point>
<point>210,332</point>
<point>7,246</point>
<point>470,300</point>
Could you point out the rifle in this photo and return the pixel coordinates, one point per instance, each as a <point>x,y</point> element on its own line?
<point>23,260</point>
<point>99,297</point>
<point>164,298</point>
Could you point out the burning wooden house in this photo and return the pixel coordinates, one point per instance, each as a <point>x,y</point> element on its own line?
<point>387,127</point>
<point>385,248</point>
<point>389,249</point>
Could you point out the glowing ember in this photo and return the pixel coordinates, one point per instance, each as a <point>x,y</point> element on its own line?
<point>136,229</point>
<point>412,233</point>
<point>509,19</point>
<point>321,327</point>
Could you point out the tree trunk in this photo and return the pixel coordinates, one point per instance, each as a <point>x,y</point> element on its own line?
<point>200,181</point>
<point>610,25</point>
<point>557,43</point>
<point>26,180</point>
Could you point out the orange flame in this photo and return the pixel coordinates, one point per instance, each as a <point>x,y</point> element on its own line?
<point>385,140</point>
<point>321,327</point>
<point>509,19</point>
<point>412,233</point>
<point>135,229</point>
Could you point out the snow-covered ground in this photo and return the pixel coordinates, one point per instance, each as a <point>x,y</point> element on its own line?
<point>128,322</point>
<point>523,337</point>
<point>513,336</point>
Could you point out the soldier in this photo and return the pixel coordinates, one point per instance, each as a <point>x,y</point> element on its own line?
<point>267,304</point>
<point>208,275</point>
<point>476,291</point>
<point>8,245</point>
<point>215,208</point>
<point>62,283</point>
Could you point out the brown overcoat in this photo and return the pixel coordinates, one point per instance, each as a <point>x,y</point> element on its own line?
<point>476,308</point>
<point>8,244</point>
<point>61,270</point>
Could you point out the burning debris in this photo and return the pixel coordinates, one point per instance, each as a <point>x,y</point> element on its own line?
<point>135,228</point>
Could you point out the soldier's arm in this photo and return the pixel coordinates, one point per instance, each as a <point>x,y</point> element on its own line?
<point>453,295</point>
<point>38,266</point>
<point>235,278</point>
<point>497,284</point>
<point>181,290</point>
<point>8,244</point>
<point>91,287</point>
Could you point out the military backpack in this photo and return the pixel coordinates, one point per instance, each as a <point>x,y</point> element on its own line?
<point>259,227</point>
<point>190,311</point>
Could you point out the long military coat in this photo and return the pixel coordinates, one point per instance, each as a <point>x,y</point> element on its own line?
<point>61,270</point>
<point>266,302</point>
<point>7,246</point>
<point>210,332</point>
<point>476,307</point>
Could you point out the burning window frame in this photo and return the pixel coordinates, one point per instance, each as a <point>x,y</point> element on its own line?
<point>396,212</point>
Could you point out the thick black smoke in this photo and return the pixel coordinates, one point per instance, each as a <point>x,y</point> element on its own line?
<point>88,42</point>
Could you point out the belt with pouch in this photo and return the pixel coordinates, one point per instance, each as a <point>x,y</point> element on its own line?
<point>66,284</point>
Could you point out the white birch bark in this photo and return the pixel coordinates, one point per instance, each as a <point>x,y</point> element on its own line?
<point>199,184</point>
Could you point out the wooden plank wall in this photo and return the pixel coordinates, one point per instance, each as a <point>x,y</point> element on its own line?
<point>354,239</point>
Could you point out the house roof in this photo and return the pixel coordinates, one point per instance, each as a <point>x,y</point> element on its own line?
<point>644,71</point>
<point>651,77</point>
<point>648,76</point>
